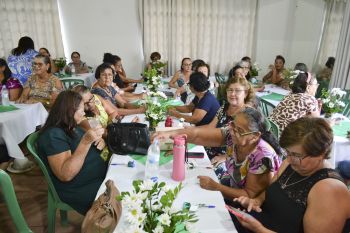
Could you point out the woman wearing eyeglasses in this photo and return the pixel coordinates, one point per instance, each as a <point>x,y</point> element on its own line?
<point>239,94</point>
<point>252,151</point>
<point>299,103</point>
<point>42,86</point>
<point>306,195</point>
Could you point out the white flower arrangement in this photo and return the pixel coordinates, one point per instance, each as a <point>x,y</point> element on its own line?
<point>255,70</point>
<point>289,74</point>
<point>156,111</point>
<point>150,209</point>
<point>153,80</point>
<point>332,100</point>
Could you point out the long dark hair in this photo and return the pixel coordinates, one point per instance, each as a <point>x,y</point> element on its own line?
<point>257,123</point>
<point>7,71</point>
<point>62,112</point>
<point>24,44</point>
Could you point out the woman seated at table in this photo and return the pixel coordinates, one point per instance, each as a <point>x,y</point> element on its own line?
<point>13,85</point>
<point>203,68</point>
<point>253,153</point>
<point>119,78</point>
<point>182,76</point>
<point>204,105</point>
<point>45,52</point>
<point>71,154</point>
<point>239,95</point>
<point>79,66</point>
<point>299,103</point>
<point>103,87</point>
<point>42,86</point>
<point>307,195</point>
<point>275,75</point>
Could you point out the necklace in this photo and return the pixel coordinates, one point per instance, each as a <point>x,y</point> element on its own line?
<point>285,185</point>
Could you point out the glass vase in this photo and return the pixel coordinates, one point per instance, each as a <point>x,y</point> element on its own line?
<point>152,124</point>
<point>328,115</point>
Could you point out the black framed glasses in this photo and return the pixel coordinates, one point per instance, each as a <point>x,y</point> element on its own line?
<point>90,100</point>
<point>236,91</point>
<point>37,64</point>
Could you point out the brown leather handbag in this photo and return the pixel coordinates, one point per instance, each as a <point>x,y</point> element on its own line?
<point>104,213</point>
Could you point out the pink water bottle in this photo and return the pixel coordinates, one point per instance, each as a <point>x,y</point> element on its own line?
<point>179,151</point>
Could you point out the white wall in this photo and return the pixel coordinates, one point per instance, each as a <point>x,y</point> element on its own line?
<point>288,27</point>
<point>95,27</point>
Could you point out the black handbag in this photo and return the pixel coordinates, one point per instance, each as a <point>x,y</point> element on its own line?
<point>128,138</point>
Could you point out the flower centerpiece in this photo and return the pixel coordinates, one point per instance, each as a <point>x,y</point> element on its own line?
<point>60,63</point>
<point>150,209</point>
<point>332,101</point>
<point>159,67</point>
<point>156,111</point>
<point>255,70</point>
<point>153,80</point>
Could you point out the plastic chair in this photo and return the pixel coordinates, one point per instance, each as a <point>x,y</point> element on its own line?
<point>53,200</point>
<point>346,110</point>
<point>274,129</point>
<point>69,83</point>
<point>266,107</point>
<point>12,204</point>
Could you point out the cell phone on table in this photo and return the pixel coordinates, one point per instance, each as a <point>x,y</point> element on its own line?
<point>195,155</point>
<point>135,85</point>
<point>235,211</point>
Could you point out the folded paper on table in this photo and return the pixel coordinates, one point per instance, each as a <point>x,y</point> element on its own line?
<point>7,108</point>
<point>273,96</point>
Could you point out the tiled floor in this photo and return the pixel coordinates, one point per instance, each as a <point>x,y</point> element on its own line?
<point>31,191</point>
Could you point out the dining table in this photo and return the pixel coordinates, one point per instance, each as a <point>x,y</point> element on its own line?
<point>17,121</point>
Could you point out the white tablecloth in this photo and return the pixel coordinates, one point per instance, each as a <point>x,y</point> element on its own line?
<point>16,125</point>
<point>211,220</point>
<point>88,78</point>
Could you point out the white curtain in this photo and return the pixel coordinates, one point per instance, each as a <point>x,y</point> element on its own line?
<point>334,13</point>
<point>341,71</point>
<point>220,32</point>
<point>37,19</point>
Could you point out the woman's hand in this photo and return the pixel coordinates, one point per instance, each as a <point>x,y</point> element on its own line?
<point>207,183</point>
<point>136,119</point>
<point>219,158</point>
<point>251,223</point>
<point>248,203</point>
<point>93,135</point>
<point>100,144</point>
<point>172,112</point>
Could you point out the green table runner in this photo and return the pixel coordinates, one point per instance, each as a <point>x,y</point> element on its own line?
<point>7,108</point>
<point>162,160</point>
<point>273,96</point>
<point>341,129</point>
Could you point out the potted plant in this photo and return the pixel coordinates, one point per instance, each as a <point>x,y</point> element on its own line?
<point>332,101</point>
<point>60,63</point>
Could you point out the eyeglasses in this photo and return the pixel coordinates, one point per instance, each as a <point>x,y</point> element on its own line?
<point>37,64</point>
<point>188,64</point>
<point>75,57</point>
<point>104,75</point>
<point>237,130</point>
<point>295,157</point>
<point>236,91</point>
<point>90,100</point>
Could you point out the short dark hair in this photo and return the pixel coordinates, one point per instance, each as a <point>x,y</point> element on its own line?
<point>330,62</point>
<point>46,60</point>
<point>102,68</point>
<point>155,55</point>
<point>314,135</point>
<point>300,82</point>
<point>203,65</point>
<point>62,112</point>
<point>196,63</point>
<point>47,51</point>
<point>75,52</point>
<point>7,71</point>
<point>25,43</point>
<point>280,57</point>
<point>246,58</point>
<point>301,66</point>
<point>232,72</point>
<point>110,58</point>
<point>199,82</point>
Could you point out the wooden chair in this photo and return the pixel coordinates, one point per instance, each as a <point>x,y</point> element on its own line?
<point>53,200</point>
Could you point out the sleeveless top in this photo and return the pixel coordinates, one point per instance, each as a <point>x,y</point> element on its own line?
<point>286,199</point>
<point>181,80</point>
